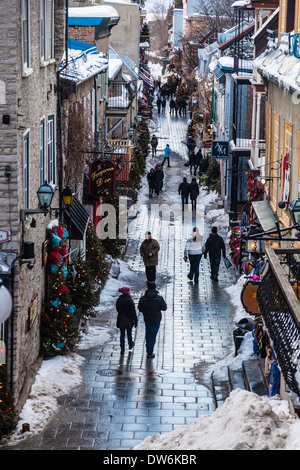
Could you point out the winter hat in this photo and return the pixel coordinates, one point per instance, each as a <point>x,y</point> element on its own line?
<point>124,290</point>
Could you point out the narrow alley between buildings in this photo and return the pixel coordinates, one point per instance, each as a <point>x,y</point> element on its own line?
<point>124,399</point>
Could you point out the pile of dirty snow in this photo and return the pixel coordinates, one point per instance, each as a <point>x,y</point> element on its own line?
<point>244,422</point>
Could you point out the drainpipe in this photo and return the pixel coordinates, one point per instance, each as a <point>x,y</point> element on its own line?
<point>67,32</point>
<point>258,124</point>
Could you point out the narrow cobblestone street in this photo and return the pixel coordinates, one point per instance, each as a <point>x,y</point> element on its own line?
<point>125,399</point>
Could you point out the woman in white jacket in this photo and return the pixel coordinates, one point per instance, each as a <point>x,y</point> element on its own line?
<point>193,251</point>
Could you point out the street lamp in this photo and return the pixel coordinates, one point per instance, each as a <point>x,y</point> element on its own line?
<point>67,196</point>
<point>5,303</point>
<point>295,211</point>
<point>130,132</point>
<point>45,195</point>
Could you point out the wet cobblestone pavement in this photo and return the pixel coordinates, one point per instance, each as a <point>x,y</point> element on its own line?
<point>127,398</point>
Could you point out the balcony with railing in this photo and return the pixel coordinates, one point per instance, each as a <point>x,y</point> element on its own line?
<point>278,298</point>
<point>120,97</point>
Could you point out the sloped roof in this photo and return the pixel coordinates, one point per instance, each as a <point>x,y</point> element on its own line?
<point>90,16</point>
<point>84,61</point>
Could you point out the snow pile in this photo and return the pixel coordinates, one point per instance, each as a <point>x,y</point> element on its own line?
<point>56,377</point>
<point>95,336</point>
<point>219,218</point>
<point>234,293</point>
<point>244,422</point>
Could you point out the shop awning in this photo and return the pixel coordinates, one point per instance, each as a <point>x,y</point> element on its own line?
<point>78,219</point>
<point>265,215</point>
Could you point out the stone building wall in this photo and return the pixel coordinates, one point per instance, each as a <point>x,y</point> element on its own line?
<point>31,95</point>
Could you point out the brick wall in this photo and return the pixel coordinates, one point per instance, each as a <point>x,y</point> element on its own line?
<point>82,33</point>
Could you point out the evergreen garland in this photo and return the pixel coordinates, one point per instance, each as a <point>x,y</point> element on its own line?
<point>84,292</point>
<point>59,329</point>
<point>95,256</point>
<point>212,181</point>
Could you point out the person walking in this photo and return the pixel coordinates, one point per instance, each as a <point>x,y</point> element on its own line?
<point>194,193</point>
<point>151,304</point>
<point>127,318</point>
<point>199,157</point>
<point>192,162</point>
<point>158,103</point>
<point>167,152</point>
<point>154,143</point>
<point>191,144</point>
<point>184,191</point>
<point>159,178</point>
<point>163,105</point>
<point>193,251</point>
<point>214,246</point>
<point>149,251</point>
<point>151,177</point>
<point>172,107</point>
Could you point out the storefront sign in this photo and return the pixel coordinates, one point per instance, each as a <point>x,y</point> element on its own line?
<point>220,149</point>
<point>102,180</point>
<point>249,297</point>
<point>4,236</point>
<point>32,311</point>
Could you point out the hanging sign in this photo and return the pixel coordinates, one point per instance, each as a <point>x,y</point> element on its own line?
<point>286,179</point>
<point>219,149</point>
<point>102,178</point>
<point>249,297</point>
<point>32,311</point>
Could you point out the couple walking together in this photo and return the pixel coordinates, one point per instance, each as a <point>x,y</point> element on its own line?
<point>150,304</point>
<point>194,249</point>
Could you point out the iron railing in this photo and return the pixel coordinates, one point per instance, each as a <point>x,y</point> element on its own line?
<point>280,307</point>
<point>120,95</point>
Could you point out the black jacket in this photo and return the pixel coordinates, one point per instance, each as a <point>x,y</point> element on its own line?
<point>151,304</point>
<point>194,190</point>
<point>126,312</point>
<point>214,246</point>
<point>184,189</point>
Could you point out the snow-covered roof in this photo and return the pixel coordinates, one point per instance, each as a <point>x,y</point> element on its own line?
<point>240,3</point>
<point>282,68</point>
<point>115,65</point>
<point>90,16</point>
<point>226,64</point>
<point>84,61</point>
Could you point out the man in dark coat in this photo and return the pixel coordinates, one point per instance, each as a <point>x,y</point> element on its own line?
<point>159,178</point>
<point>154,143</point>
<point>191,144</point>
<point>184,191</point>
<point>194,193</point>
<point>151,304</point>
<point>199,157</point>
<point>127,317</point>
<point>214,246</point>
<point>149,251</point>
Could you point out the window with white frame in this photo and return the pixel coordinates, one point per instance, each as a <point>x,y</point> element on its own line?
<point>47,29</point>
<point>51,149</point>
<point>26,33</point>
<point>26,168</point>
<point>42,151</point>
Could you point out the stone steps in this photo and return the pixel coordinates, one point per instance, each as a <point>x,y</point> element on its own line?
<point>250,377</point>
